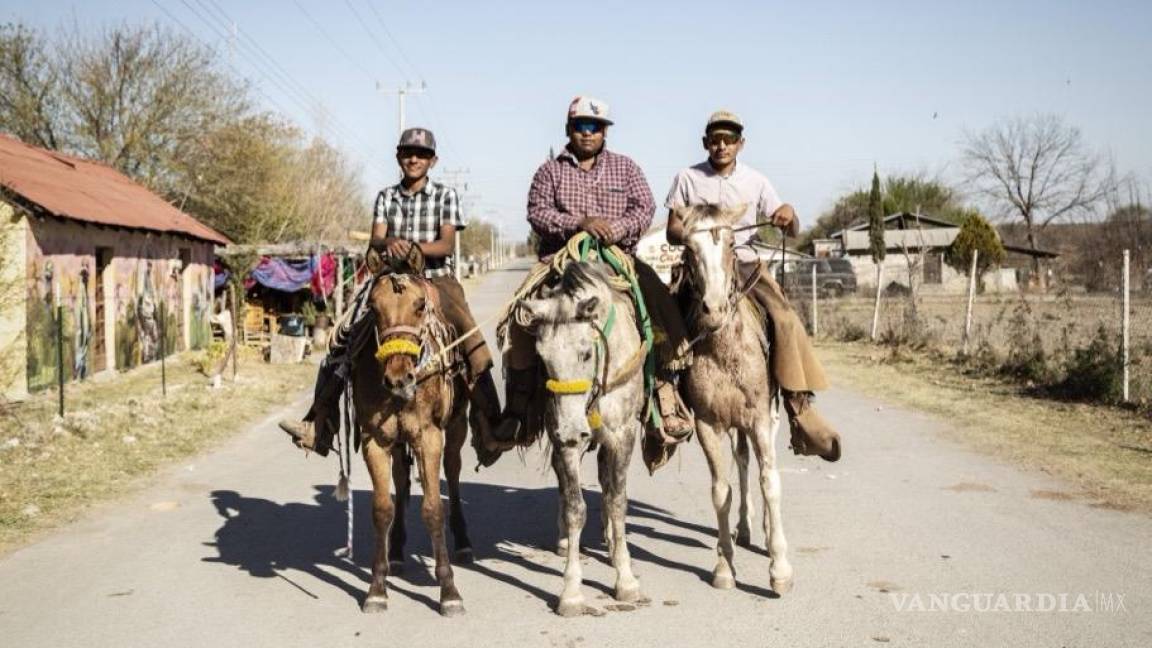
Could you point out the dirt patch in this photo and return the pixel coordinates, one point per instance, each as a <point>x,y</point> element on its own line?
<point>811,550</point>
<point>116,432</point>
<point>1058,496</point>
<point>883,586</point>
<point>969,487</point>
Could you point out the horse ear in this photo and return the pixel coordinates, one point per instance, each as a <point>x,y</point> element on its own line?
<point>586,308</point>
<point>732,215</point>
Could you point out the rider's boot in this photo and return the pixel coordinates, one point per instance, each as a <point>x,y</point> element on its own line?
<point>515,419</point>
<point>811,434</point>
<point>484,415</point>
<point>679,423</point>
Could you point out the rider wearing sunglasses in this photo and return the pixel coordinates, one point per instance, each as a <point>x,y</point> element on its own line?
<point>721,180</point>
<point>592,189</point>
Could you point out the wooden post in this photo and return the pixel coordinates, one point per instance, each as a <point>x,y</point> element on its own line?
<point>235,327</point>
<point>968,309</point>
<point>60,355</point>
<point>1125,325</point>
<point>814,327</point>
<point>163,349</point>
<point>876,308</point>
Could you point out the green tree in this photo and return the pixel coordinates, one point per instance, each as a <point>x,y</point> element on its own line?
<point>906,193</point>
<point>976,233</point>
<point>876,221</point>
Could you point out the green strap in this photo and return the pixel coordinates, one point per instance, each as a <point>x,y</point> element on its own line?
<point>590,245</point>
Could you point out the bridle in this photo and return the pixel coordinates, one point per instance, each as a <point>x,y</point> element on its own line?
<point>404,339</point>
<point>736,290</point>
<point>598,385</point>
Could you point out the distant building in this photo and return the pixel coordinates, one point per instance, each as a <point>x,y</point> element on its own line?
<point>116,257</point>
<point>907,236</point>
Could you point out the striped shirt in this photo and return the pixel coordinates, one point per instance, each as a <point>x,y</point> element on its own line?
<point>418,217</point>
<point>563,194</point>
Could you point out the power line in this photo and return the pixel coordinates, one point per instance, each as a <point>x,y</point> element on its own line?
<point>388,34</point>
<point>372,37</point>
<point>272,72</point>
<point>334,42</point>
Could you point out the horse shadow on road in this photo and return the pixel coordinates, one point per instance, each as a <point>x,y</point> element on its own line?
<point>269,539</point>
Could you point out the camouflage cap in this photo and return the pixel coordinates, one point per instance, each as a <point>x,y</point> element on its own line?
<point>724,120</point>
<point>417,138</point>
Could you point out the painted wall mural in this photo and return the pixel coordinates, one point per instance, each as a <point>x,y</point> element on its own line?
<point>143,288</point>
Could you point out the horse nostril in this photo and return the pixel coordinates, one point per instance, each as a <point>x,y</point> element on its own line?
<point>585,435</point>
<point>707,309</point>
<point>410,376</point>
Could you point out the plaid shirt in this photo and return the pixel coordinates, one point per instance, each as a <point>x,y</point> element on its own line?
<point>563,194</point>
<point>418,217</point>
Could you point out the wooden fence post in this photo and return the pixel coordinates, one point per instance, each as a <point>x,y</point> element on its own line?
<point>814,326</point>
<point>876,308</point>
<point>1125,326</point>
<point>968,309</point>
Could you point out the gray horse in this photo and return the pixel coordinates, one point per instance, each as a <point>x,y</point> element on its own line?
<point>729,388</point>
<point>587,339</point>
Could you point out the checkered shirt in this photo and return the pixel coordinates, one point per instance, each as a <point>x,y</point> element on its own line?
<point>563,194</point>
<point>418,217</point>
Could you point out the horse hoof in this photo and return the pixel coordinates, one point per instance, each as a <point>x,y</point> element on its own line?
<point>374,605</point>
<point>464,556</point>
<point>782,586</point>
<point>451,608</point>
<point>570,608</point>
<point>395,566</point>
<point>723,581</point>
<point>627,594</point>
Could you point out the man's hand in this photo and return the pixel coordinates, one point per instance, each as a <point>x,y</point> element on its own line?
<point>398,247</point>
<point>785,218</point>
<point>599,228</point>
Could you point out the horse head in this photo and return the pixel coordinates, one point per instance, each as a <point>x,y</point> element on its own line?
<point>400,304</point>
<point>569,321</point>
<point>710,260</point>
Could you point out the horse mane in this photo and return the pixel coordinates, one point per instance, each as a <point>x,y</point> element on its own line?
<point>582,276</point>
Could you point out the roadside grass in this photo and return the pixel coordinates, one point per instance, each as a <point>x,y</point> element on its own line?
<point>117,431</point>
<point>1105,452</point>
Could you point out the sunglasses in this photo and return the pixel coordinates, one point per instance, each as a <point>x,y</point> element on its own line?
<point>585,126</point>
<point>422,153</point>
<point>715,139</point>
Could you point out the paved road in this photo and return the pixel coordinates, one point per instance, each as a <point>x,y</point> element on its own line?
<point>235,548</point>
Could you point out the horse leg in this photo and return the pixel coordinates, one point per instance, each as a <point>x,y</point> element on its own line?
<point>429,452</point>
<point>379,461</point>
<point>604,473</point>
<point>724,574</point>
<point>614,485</point>
<point>566,462</point>
<point>456,435</point>
<point>747,510</point>
<point>764,440</point>
<point>561,509</point>
<point>402,478</point>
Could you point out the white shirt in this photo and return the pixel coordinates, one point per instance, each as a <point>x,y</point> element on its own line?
<point>700,184</point>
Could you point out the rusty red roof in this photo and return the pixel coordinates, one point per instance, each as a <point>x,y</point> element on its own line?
<point>91,192</point>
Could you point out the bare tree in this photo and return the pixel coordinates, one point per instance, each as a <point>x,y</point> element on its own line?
<point>1037,170</point>
<point>29,88</point>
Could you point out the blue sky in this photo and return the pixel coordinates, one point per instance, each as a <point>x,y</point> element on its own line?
<point>826,89</point>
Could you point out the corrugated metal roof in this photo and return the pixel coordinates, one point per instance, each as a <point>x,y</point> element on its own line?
<point>82,190</point>
<point>898,239</point>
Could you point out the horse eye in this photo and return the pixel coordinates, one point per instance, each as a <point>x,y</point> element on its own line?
<point>585,356</point>
<point>420,305</point>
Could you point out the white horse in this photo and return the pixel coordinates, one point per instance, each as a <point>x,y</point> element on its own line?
<point>730,388</point>
<point>588,342</point>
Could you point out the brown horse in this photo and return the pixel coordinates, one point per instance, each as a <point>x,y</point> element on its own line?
<point>404,398</point>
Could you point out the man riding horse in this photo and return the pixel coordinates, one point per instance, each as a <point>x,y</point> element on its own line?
<point>722,181</point>
<point>588,188</point>
<point>422,214</point>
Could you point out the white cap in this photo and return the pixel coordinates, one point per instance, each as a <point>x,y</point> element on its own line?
<point>588,108</point>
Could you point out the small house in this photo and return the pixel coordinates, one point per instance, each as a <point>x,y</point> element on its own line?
<point>119,265</point>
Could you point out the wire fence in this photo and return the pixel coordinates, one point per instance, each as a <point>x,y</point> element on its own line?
<point>1068,341</point>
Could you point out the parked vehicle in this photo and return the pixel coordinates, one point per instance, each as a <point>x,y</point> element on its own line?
<point>834,277</point>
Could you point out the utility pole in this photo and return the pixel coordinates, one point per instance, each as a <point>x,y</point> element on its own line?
<point>452,178</point>
<point>402,93</point>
